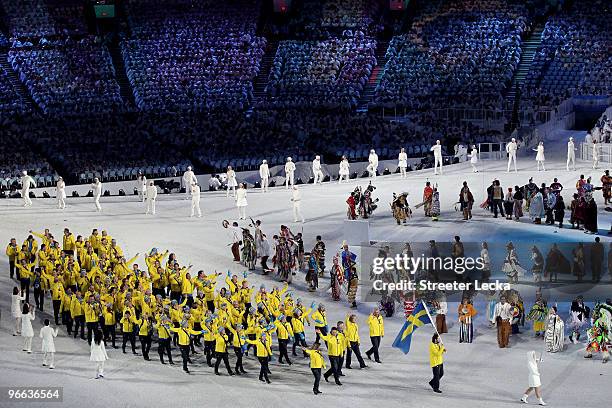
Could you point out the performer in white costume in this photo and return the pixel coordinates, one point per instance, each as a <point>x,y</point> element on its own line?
<point>48,334</point>
<point>372,164</point>
<point>402,162</point>
<point>317,170</point>
<point>26,183</point>
<point>511,150</point>
<point>540,156</point>
<point>60,189</point>
<point>437,151</point>
<point>344,171</point>
<point>596,151</point>
<point>241,201</point>
<point>264,174</point>
<point>189,178</point>
<point>231,182</point>
<point>571,154</point>
<point>151,197</point>
<point>97,193</point>
<point>141,186</point>
<point>474,158</point>
<point>195,200</point>
<point>296,199</point>
<point>289,172</point>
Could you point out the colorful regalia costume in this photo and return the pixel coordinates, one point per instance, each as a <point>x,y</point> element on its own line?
<point>312,276</point>
<point>538,314</point>
<point>349,267</point>
<point>249,251</point>
<point>466,324</point>
<point>337,278</point>
<point>599,333</point>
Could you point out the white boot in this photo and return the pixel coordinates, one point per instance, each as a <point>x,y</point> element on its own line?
<point>541,402</point>
<point>524,399</point>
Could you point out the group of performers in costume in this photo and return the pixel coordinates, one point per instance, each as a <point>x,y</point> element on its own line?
<point>361,204</point>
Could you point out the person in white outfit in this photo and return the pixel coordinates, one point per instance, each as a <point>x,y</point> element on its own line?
<point>141,186</point>
<point>189,178</point>
<point>195,200</point>
<point>571,154</point>
<point>97,193</point>
<point>151,196</point>
<point>296,199</point>
<point>402,162</point>
<point>317,171</point>
<point>26,183</point>
<point>474,158</point>
<point>534,378</point>
<point>16,307</point>
<point>437,151</point>
<point>372,164</point>
<point>27,331</point>
<point>540,155</point>
<point>231,182</point>
<point>289,172</point>
<point>241,201</point>
<point>60,188</point>
<point>98,354</point>
<point>47,334</point>
<point>595,154</point>
<point>264,175</point>
<point>511,150</point>
<point>344,170</point>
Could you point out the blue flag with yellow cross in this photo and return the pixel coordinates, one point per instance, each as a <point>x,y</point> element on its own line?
<point>418,318</point>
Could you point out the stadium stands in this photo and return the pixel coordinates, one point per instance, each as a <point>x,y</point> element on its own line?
<point>36,18</point>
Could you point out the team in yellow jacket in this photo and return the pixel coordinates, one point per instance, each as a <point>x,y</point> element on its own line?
<point>94,287</point>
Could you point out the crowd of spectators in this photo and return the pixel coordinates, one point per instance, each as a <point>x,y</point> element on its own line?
<point>68,76</point>
<point>326,73</point>
<point>17,155</point>
<point>574,57</point>
<point>457,54</point>
<point>322,19</point>
<point>192,55</point>
<point>11,103</point>
<point>44,18</point>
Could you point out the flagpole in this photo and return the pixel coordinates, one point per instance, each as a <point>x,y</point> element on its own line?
<point>431,320</point>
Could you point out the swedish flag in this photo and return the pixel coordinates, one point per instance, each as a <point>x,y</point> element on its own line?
<point>418,318</point>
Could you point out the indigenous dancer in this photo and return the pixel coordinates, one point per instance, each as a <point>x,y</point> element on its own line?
<point>555,333</point>
<point>466,326</point>
<point>351,211</point>
<point>579,317</point>
<point>350,273</point>
<point>400,208</point>
<point>599,334</point>
<point>538,314</point>
<point>337,277</point>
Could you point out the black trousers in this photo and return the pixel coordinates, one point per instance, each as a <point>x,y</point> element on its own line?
<point>317,378</point>
<point>438,373</point>
<point>110,333</point>
<point>129,336</point>
<point>263,370</point>
<point>164,347</point>
<point>209,350</point>
<point>25,287</point>
<point>354,349</point>
<point>91,329</point>
<point>299,340</point>
<point>56,310</point>
<point>264,263</point>
<point>334,369</point>
<point>185,356</point>
<point>282,348</point>
<point>159,291</point>
<point>145,345</point>
<point>79,321</point>
<point>497,204</point>
<point>12,269</point>
<point>210,304</point>
<point>175,296</point>
<point>223,357</point>
<point>39,298</point>
<point>67,320</point>
<point>238,367</point>
<point>374,349</point>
